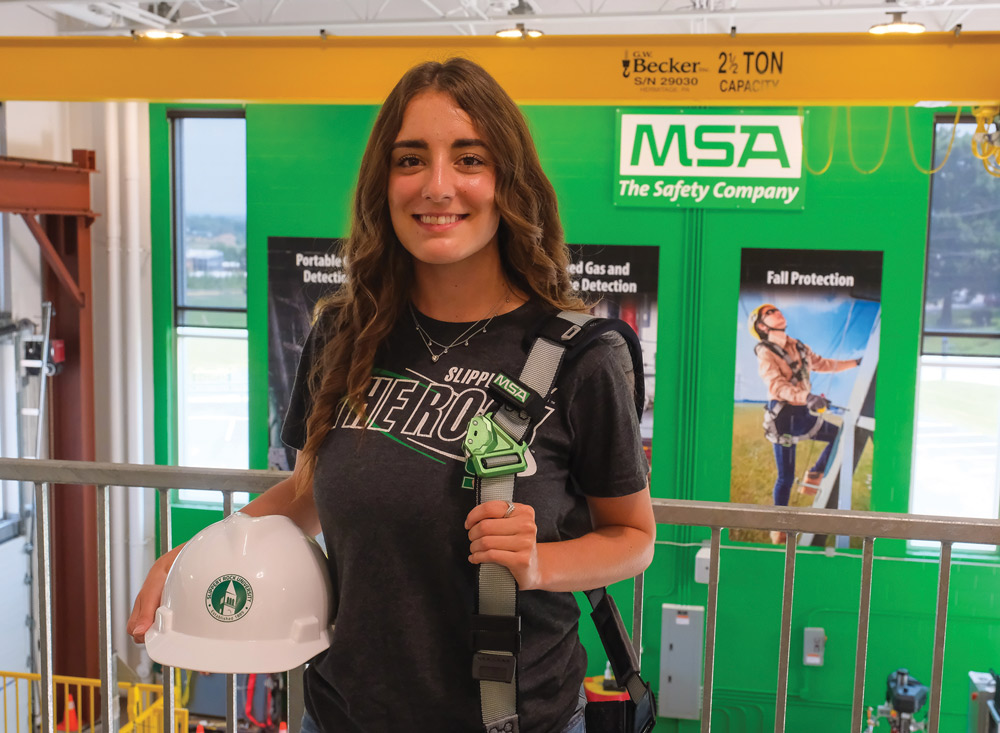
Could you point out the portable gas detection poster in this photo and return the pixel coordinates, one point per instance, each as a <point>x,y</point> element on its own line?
<point>807,330</point>
<point>620,280</point>
<point>300,270</point>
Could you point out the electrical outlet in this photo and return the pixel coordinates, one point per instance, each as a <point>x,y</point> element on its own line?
<point>813,646</point>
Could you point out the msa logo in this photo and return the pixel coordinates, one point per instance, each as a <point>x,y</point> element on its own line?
<point>734,146</point>
<point>511,387</point>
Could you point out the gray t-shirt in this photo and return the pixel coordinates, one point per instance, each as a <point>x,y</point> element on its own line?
<point>392,507</point>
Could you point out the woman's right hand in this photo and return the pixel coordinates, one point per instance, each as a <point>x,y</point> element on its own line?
<point>149,596</point>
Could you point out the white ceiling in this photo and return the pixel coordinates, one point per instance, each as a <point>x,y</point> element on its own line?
<point>485,17</point>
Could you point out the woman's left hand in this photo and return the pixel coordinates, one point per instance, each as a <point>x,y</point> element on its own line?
<point>505,533</point>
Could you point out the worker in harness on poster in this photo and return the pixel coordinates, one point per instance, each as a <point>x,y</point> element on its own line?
<point>793,413</point>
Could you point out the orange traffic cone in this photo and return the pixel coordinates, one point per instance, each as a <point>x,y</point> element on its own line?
<point>201,727</point>
<point>282,727</point>
<point>69,721</point>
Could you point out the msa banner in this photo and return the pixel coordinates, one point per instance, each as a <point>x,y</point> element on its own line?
<point>709,160</point>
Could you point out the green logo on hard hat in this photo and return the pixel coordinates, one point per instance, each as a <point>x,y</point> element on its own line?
<point>229,598</point>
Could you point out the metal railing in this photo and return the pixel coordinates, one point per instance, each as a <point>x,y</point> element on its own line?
<point>870,526</point>
<point>714,515</point>
<point>104,476</point>
<point>144,703</point>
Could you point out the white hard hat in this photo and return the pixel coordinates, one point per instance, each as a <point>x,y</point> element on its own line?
<point>247,594</point>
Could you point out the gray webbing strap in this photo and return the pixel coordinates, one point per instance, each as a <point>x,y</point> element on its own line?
<point>497,588</point>
<point>786,439</point>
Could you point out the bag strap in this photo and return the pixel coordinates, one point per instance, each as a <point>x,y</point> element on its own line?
<point>495,446</point>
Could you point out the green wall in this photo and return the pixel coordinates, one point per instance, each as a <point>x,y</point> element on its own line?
<point>302,163</point>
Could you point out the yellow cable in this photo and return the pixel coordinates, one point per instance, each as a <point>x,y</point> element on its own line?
<point>986,150</point>
<point>185,689</point>
<point>833,134</point>
<point>947,154</point>
<point>885,147</point>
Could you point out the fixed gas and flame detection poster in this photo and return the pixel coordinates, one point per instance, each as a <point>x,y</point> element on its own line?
<point>807,343</point>
<point>620,281</point>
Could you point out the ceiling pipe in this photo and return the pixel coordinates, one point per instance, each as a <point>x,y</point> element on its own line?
<point>133,12</point>
<point>113,373</point>
<point>333,26</point>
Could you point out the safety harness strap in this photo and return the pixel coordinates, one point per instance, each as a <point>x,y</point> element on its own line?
<point>496,626</point>
<point>786,439</point>
<point>496,670</point>
<point>621,654</point>
<point>800,368</point>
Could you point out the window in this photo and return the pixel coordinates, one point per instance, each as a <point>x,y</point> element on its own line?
<point>210,256</point>
<point>956,465</point>
<point>210,220</point>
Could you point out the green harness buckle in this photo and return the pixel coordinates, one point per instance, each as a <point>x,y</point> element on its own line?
<point>490,450</point>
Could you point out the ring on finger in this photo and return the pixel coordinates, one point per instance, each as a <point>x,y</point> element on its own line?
<point>510,509</point>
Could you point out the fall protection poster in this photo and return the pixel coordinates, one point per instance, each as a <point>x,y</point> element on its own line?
<point>807,343</point>
<point>620,280</point>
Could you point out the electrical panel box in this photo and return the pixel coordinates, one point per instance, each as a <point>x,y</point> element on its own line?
<point>681,651</point>
<point>702,565</point>
<point>981,691</point>
<point>813,646</point>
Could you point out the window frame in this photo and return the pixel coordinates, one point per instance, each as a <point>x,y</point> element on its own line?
<point>924,331</point>
<point>166,209</point>
<point>981,553</point>
<point>177,167</point>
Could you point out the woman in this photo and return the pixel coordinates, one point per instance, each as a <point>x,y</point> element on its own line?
<point>784,364</point>
<point>455,251</point>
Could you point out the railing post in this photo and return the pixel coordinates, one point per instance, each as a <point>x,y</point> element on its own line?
<point>940,624</point>
<point>231,714</point>
<point>713,606</point>
<point>781,700</point>
<point>637,617</point>
<point>43,548</point>
<point>864,613</point>
<point>109,685</point>
<point>169,721</point>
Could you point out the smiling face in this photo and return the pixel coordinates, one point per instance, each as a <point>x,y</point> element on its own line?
<point>773,319</point>
<point>442,184</point>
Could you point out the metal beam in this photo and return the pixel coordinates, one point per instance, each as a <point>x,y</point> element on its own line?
<point>153,477</point>
<point>777,69</point>
<point>594,19</point>
<point>826,521</point>
<point>71,435</point>
<point>54,261</point>
<point>43,187</point>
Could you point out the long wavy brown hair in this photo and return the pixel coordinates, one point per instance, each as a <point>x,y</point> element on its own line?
<point>360,315</point>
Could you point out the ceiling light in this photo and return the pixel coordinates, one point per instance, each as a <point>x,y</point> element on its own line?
<point>897,25</point>
<point>157,34</point>
<point>519,32</point>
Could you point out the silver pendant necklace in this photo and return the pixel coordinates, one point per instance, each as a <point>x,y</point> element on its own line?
<point>474,330</point>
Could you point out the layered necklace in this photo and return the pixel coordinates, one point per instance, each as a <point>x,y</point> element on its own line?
<point>474,330</point>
